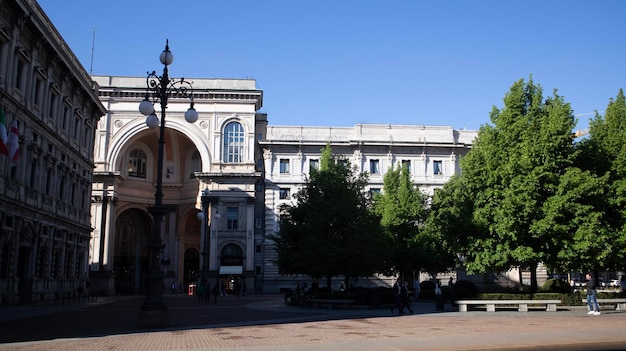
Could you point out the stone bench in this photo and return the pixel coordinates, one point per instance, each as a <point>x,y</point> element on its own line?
<point>522,304</point>
<point>332,304</point>
<point>620,304</point>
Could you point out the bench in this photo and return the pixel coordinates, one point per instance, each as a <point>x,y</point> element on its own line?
<point>620,304</point>
<point>522,304</point>
<point>333,304</point>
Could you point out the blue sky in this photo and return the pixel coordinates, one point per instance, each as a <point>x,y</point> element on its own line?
<point>338,63</point>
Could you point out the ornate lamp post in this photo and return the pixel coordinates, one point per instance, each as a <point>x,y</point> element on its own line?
<point>153,312</point>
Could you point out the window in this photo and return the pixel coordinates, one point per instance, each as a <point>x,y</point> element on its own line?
<point>137,161</point>
<point>232,218</point>
<point>19,74</point>
<point>407,164</point>
<point>284,193</point>
<point>374,191</point>
<point>284,166</point>
<point>314,164</point>
<point>196,164</point>
<point>233,143</point>
<point>437,169</point>
<point>374,167</point>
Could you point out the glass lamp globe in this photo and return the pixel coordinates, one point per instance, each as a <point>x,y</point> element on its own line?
<point>152,121</point>
<point>166,57</point>
<point>146,108</point>
<point>191,115</point>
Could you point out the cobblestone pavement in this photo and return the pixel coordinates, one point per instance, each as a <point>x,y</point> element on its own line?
<point>264,322</point>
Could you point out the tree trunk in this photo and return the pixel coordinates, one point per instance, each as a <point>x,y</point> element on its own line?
<point>533,278</point>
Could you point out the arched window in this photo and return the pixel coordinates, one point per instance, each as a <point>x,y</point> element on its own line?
<point>137,161</point>
<point>196,164</point>
<point>233,143</point>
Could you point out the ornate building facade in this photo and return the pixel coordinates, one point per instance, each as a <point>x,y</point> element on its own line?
<point>74,207</point>
<point>45,187</point>
<point>248,168</point>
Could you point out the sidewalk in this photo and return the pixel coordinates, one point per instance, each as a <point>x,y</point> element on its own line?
<point>264,322</point>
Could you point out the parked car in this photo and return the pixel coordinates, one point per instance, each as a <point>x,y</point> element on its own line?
<point>577,283</point>
<point>602,283</point>
<point>614,283</point>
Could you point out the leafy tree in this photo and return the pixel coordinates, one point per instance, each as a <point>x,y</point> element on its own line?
<point>604,154</point>
<point>514,167</point>
<point>402,208</point>
<point>330,230</point>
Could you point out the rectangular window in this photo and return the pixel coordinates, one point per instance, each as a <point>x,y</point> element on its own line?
<point>437,168</point>
<point>314,164</point>
<point>374,167</point>
<point>232,218</point>
<point>5,255</point>
<point>407,164</point>
<point>374,191</point>
<point>284,193</point>
<point>284,166</point>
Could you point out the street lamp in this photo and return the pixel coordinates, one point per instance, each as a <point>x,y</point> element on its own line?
<point>153,312</point>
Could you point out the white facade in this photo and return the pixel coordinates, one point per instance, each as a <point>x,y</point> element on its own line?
<point>431,152</point>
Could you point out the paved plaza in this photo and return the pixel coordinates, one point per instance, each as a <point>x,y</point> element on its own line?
<point>264,322</point>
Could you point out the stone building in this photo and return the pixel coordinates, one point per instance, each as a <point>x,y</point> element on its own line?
<point>246,169</point>
<point>45,189</point>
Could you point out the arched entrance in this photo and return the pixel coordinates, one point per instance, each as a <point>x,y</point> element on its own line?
<point>231,269</point>
<point>191,266</point>
<point>132,232</point>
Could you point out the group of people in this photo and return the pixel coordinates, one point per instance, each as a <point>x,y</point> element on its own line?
<point>401,294</point>
<point>204,292</point>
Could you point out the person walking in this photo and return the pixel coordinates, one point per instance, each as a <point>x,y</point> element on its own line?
<point>404,292</point>
<point>397,294</point>
<point>592,298</point>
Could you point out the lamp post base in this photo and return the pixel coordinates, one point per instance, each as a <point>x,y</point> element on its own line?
<point>153,316</point>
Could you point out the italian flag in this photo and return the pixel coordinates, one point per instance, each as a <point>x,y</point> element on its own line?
<point>13,142</point>
<point>4,149</point>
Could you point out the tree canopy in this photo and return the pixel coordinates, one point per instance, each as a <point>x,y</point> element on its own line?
<point>330,231</point>
<point>402,208</point>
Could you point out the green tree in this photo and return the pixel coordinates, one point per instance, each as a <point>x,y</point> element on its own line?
<point>514,167</point>
<point>604,154</point>
<point>401,207</point>
<point>330,231</point>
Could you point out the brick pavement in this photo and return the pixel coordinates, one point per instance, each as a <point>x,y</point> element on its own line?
<point>264,322</point>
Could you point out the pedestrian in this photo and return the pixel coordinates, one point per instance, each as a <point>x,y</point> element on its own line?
<point>173,288</point>
<point>216,291</point>
<point>180,288</point>
<point>622,284</point>
<point>201,292</point>
<point>592,298</point>
<point>404,292</point>
<point>451,292</point>
<point>438,296</point>
<point>397,294</point>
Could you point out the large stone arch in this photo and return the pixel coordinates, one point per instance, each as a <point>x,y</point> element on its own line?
<point>127,133</point>
<point>132,235</point>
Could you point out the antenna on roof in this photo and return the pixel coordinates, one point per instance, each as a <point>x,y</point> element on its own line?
<point>93,41</point>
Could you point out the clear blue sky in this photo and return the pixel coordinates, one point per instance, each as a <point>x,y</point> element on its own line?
<point>338,63</point>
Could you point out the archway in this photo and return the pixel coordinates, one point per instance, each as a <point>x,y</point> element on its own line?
<point>132,232</point>
<point>191,266</point>
<point>231,269</point>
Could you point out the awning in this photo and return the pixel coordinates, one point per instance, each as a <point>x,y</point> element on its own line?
<point>228,270</point>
